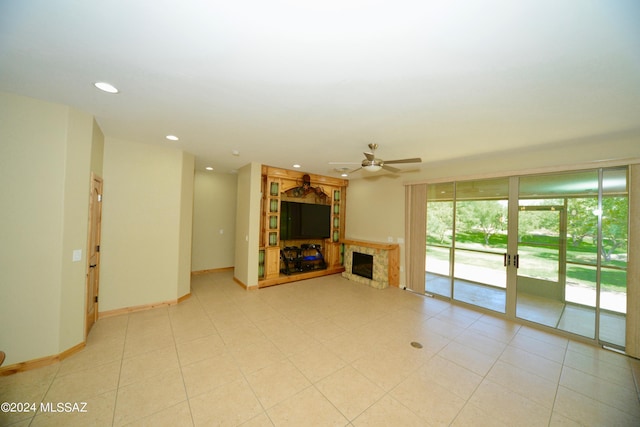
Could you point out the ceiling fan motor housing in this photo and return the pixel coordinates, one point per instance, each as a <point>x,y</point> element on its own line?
<point>373,162</point>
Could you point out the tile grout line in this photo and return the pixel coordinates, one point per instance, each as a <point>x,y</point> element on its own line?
<point>180,367</point>
<point>124,343</point>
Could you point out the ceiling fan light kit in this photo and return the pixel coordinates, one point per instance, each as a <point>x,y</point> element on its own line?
<point>372,167</point>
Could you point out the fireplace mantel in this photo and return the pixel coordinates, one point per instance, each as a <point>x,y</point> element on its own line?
<point>386,262</point>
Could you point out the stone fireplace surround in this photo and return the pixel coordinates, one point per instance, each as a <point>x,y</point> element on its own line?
<point>386,263</point>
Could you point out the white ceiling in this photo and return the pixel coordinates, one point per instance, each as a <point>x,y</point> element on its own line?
<point>313,82</point>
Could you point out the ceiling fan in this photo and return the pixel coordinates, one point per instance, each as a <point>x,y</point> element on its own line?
<point>372,164</point>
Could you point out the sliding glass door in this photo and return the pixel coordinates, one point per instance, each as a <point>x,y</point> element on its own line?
<point>439,247</point>
<point>572,252</point>
<point>540,262</point>
<point>466,242</point>
<point>480,276</point>
<point>557,251</point>
<point>559,260</point>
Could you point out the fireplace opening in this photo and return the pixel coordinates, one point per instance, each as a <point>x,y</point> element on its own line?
<point>362,265</point>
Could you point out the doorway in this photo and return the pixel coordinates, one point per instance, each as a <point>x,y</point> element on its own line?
<point>541,277</point>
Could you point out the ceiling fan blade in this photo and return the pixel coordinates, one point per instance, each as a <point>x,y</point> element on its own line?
<point>369,156</point>
<point>344,163</point>
<point>389,168</point>
<point>355,170</point>
<point>414,160</point>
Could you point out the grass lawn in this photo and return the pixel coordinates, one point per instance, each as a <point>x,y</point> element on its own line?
<point>538,258</point>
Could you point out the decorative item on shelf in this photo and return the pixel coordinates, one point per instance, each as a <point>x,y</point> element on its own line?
<point>336,195</point>
<point>336,209</point>
<point>261,263</point>
<point>273,238</point>
<point>336,235</point>
<point>304,189</point>
<point>336,222</point>
<point>273,222</point>
<point>273,205</point>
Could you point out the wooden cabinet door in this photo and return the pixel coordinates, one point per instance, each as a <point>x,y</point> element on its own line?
<point>332,255</point>
<point>271,262</point>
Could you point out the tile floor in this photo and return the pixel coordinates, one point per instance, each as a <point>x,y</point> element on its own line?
<point>326,352</point>
<point>570,317</point>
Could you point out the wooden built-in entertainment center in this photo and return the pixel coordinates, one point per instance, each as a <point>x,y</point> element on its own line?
<point>300,257</point>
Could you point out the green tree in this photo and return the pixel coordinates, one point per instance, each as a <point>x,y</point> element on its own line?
<point>488,216</point>
<point>581,220</point>
<point>614,225</point>
<point>439,220</point>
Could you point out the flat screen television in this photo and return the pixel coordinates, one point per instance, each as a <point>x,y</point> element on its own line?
<point>304,221</point>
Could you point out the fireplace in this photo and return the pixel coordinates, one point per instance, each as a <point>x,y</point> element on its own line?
<point>373,264</point>
<point>362,265</point>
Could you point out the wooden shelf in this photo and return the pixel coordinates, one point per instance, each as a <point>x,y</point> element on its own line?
<point>372,245</point>
<point>283,278</point>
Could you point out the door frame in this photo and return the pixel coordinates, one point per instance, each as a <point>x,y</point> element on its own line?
<point>93,253</point>
<point>559,285</point>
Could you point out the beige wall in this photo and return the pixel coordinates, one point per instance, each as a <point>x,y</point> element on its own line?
<point>80,132</point>
<point>375,212</point>
<point>186,225</point>
<point>145,218</point>
<point>247,236</point>
<point>45,158</point>
<point>97,150</point>
<point>564,154</point>
<point>214,216</point>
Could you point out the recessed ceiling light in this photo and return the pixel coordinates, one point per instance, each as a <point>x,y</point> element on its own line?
<point>209,168</point>
<point>235,152</point>
<point>345,174</point>
<point>172,137</point>
<point>106,87</point>
<point>296,166</point>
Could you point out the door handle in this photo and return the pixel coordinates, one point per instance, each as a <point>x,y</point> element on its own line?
<point>516,261</point>
<point>93,265</point>
<point>507,260</point>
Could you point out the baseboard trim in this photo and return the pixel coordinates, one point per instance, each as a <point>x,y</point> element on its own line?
<point>40,362</point>
<point>211,270</point>
<point>242,285</point>
<point>50,360</point>
<point>134,309</point>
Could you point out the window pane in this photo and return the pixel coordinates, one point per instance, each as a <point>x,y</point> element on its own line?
<point>480,276</point>
<point>439,239</point>
<point>613,274</point>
